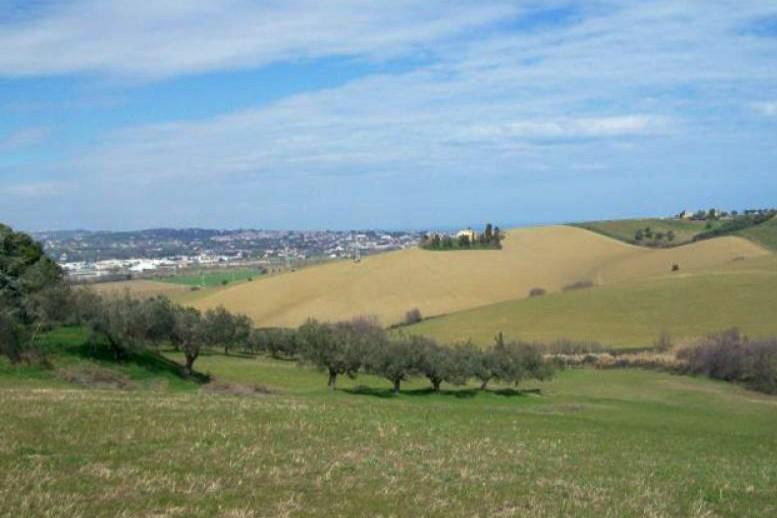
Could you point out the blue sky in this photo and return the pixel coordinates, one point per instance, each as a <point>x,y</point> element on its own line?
<point>391,114</point>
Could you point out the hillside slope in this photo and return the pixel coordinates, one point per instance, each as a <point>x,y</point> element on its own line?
<point>764,234</point>
<point>628,314</point>
<point>442,282</point>
<point>625,229</point>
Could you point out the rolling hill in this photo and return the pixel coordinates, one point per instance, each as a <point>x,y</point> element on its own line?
<point>625,229</point>
<point>437,283</point>
<point>629,314</point>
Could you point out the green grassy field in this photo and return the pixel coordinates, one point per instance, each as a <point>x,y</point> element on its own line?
<point>591,443</point>
<point>629,314</point>
<point>210,278</point>
<point>625,229</point>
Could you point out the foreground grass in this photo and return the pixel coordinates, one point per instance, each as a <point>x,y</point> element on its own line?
<point>631,314</point>
<point>616,443</point>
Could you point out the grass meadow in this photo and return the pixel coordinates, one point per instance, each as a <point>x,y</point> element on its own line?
<point>211,278</point>
<point>589,443</point>
<point>764,234</point>
<point>624,229</point>
<point>629,314</point>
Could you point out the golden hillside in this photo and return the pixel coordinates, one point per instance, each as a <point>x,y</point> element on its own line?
<point>388,285</point>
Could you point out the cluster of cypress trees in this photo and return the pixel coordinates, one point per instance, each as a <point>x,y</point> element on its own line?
<point>491,237</point>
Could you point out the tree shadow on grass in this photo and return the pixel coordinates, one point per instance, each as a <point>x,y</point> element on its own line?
<point>149,360</point>
<point>469,393</point>
<point>513,392</point>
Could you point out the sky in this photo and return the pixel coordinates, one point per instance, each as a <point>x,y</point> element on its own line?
<point>393,114</point>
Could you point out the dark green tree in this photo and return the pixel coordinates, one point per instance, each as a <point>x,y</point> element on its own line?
<point>30,285</point>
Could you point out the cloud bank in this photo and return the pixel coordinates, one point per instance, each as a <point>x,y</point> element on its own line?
<point>528,98</point>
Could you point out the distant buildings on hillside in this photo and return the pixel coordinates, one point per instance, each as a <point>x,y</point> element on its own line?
<point>714,214</point>
<point>90,256</point>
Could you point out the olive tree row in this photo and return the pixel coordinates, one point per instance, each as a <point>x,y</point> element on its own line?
<point>130,325</point>
<point>347,348</point>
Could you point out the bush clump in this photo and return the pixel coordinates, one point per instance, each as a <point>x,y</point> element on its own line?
<point>731,356</point>
<point>537,292</point>
<point>413,316</point>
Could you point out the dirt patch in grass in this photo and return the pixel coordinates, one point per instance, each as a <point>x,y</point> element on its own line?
<point>238,389</point>
<point>96,377</point>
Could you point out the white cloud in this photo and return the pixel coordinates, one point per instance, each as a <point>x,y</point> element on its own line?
<point>571,128</point>
<point>635,88</point>
<point>159,39</point>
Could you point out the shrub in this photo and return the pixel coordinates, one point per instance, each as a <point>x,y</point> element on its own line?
<point>675,267</point>
<point>579,285</point>
<point>537,292</point>
<point>413,316</point>
<point>730,356</point>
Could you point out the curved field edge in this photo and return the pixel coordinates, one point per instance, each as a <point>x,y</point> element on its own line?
<point>763,234</point>
<point>625,229</point>
<point>626,315</point>
<point>389,285</point>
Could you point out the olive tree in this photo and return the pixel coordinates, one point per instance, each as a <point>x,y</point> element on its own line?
<point>122,321</point>
<point>188,335</point>
<point>438,363</point>
<point>325,348</point>
<point>396,360</point>
<point>482,364</point>
<point>225,329</point>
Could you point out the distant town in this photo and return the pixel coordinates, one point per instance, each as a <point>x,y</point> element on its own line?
<point>101,256</point>
<point>94,256</point>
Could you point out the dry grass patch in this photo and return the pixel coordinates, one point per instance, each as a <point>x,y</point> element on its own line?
<point>387,285</point>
